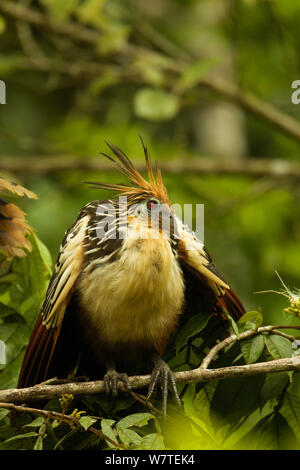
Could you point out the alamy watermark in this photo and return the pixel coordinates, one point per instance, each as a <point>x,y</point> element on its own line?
<point>2,352</point>
<point>296,347</point>
<point>2,92</point>
<point>295,97</point>
<point>148,219</point>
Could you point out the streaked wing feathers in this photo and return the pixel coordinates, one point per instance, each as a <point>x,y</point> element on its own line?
<point>192,252</point>
<point>67,269</point>
<point>44,336</point>
<point>194,256</point>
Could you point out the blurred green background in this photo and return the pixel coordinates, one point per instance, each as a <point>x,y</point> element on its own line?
<point>81,71</point>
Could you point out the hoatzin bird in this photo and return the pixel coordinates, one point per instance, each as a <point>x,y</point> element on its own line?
<point>13,226</point>
<point>119,286</point>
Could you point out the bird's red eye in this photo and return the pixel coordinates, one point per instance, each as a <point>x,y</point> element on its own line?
<point>152,204</point>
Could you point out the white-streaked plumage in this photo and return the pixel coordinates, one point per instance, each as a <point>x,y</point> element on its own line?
<point>136,297</point>
<point>122,283</point>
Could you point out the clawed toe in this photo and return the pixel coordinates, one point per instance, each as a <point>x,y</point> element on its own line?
<point>111,380</point>
<point>163,376</point>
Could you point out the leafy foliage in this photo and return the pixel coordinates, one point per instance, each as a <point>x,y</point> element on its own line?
<point>23,283</point>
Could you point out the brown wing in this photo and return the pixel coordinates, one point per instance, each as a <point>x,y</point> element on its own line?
<point>45,334</point>
<point>215,292</point>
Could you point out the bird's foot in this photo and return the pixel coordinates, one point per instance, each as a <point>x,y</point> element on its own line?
<point>111,379</point>
<point>163,375</point>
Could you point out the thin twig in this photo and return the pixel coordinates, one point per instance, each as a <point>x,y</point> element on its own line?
<point>72,421</point>
<point>246,334</point>
<point>28,43</point>
<point>284,335</point>
<point>36,18</point>
<point>252,167</point>
<point>141,399</point>
<point>75,69</point>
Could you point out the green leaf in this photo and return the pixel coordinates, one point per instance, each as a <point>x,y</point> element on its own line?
<point>274,385</point>
<point>87,421</point>
<point>33,275</point>
<point>44,253</point>
<point>235,399</point>
<point>155,104</point>
<point>38,444</point>
<point>29,308</point>
<point>290,409</point>
<point>128,436</point>
<point>35,423</point>
<point>3,413</point>
<point>252,348</point>
<point>232,322</point>
<point>253,319</point>
<point>9,376</point>
<point>192,327</point>
<point>8,278</point>
<point>152,441</point>
<point>11,442</point>
<point>203,399</point>
<point>64,439</point>
<point>276,434</point>
<point>107,429</point>
<point>278,346</point>
<point>6,311</point>
<point>15,336</point>
<point>136,419</point>
<point>271,433</point>
<point>38,265</point>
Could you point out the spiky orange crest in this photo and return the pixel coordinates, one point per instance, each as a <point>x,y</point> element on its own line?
<point>142,188</point>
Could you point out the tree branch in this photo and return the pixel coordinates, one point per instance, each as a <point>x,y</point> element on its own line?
<point>255,106</point>
<point>47,392</point>
<point>35,18</point>
<point>253,167</point>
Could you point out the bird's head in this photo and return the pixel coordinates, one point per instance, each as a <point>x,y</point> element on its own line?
<point>146,202</point>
